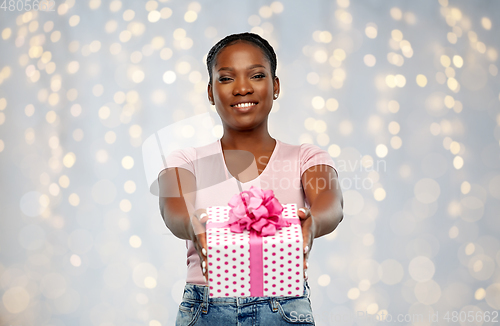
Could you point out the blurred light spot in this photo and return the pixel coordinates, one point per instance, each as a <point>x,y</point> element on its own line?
<point>312,78</point>
<point>74,199</point>
<point>218,131</point>
<point>427,292</point>
<point>31,204</point>
<point>427,190</point>
<point>125,205</point>
<point>111,26</point>
<point>69,160</point>
<point>318,102</point>
<point>145,275</point>
<point>372,308</point>
<point>392,272</point>
<point>353,200</point>
<point>6,33</point>
<point>320,56</point>
<point>277,7</point>
<point>465,187</point>
<point>486,23</point>
<point>324,280</point>
<point>481,267</point>
<point>332,104</point>
<point>396,13</point>
<point>190,16</point>
<point>127,162</point>
<point>421,80</point>
<point>345,127</point>
<point>101,156</point>
<point>74,20</point>
<point>493,296</point>
<point>369,60</point>
<point>54,189</point>
<point>16,299</point>
<point>154,16</point>
<point>353,293</point>
<point>381,150</point>
<point>458,61</point>
<point>154,323</point>
<point>128,15</point>
<point>135,241</point>
<point>421,269</point>
<point>397,35</point>
<point>75,260</point>
<point>379,194</point>
<point>371,30</point>
<point>125,36</point>
<point>169,77</point>
<point>129,187</point>
<point>480,294</point>
<point>454,232</point>
<point>115,5</point>
<point>110,137</point>
<point>334,150</point>
<point>393,106</point>
<point>78,134</point>
<point>64,181</point>
<point>104,112</point>
<point>396,142</point>
<point>458,162</point>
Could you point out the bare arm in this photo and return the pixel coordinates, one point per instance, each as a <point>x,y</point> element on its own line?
<point>322,189</point>
<point>177,197</point>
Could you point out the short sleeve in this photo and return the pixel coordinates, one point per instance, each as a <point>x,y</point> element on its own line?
<point>181,158</point>
<point>311,155</point>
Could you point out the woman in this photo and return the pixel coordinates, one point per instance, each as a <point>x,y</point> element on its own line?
<point>242,86</point>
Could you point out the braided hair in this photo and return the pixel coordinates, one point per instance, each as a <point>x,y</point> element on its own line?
<point>255,39</point>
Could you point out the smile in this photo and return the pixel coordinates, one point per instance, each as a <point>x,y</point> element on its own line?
<point>244,105</point>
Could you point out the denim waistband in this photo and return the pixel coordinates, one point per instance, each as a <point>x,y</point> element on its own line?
<point>202,293</point>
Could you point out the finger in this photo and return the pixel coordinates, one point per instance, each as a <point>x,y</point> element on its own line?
<point>198,227</point>
<point>304,213</point>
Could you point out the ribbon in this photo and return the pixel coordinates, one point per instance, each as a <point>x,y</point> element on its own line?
<point>256,210</point>
<point>256,255</point>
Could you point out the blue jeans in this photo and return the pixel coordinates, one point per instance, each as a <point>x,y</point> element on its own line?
<point>198,308</point>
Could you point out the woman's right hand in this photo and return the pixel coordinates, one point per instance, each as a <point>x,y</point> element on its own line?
<point>199,238</point>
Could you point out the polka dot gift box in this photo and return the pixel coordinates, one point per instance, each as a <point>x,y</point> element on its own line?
<point>254,247</point>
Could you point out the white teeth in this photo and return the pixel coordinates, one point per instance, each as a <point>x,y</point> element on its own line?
<point>244,105</point>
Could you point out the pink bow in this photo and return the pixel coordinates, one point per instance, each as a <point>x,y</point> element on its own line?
<point>257,210</point>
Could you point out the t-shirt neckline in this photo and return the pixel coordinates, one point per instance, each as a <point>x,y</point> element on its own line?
<point>276,147</point>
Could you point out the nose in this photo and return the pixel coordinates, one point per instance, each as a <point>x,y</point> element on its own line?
<point>242,86</point>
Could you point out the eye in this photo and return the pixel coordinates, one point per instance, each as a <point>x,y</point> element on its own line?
<point>259,76</point>
<point>223,79</point>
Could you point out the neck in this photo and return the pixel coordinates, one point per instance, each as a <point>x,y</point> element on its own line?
<point>248,140</point>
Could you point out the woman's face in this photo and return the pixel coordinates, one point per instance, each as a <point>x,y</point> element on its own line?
<point>242,88</point>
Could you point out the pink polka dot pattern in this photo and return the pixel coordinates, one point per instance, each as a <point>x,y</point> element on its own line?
<point>283,259</point>
<point>229,258</point>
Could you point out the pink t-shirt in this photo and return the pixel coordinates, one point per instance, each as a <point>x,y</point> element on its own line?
<point>215,185</point>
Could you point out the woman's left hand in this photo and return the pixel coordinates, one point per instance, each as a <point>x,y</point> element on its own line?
<point>308,227</point>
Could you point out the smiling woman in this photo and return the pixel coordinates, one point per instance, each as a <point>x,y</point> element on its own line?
<point>242,86</point>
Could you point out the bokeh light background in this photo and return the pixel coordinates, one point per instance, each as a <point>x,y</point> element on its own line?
<point>404,95</point>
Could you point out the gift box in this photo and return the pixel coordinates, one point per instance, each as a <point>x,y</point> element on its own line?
<point>246,263</point>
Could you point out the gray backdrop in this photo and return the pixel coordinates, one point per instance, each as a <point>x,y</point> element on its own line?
<point>404,95</point>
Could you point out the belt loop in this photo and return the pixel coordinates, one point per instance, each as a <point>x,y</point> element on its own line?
<point>206,295</point>
<point>308,289</point>
<point>274,304</point>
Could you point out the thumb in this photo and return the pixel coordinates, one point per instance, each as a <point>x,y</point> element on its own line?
<point>304,213</point>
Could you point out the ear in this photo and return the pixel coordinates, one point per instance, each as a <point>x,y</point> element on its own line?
<point>210,94</point>
<point>276,85</point>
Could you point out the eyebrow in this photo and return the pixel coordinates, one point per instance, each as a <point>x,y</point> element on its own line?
<point>258,65</point>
